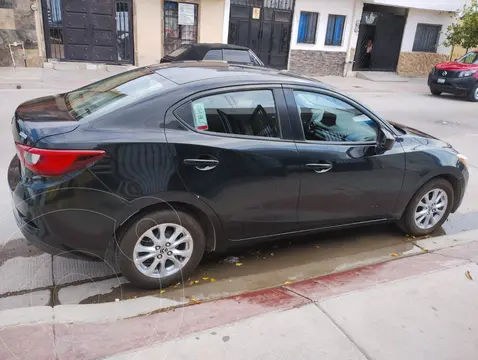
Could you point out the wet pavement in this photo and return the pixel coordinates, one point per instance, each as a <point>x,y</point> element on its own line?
<point>29,277</point>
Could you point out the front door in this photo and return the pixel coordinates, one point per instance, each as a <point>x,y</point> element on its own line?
<point>233,158</point>
<point>344,179</point>
<point>264,26</point>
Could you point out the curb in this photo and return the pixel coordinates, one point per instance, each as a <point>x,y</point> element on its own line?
<point>147,305</point>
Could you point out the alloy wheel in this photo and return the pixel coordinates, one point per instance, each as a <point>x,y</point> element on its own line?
<point>163,250</point>
<point>431,208</point>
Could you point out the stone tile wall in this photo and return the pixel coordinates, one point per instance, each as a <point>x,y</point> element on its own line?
<point>17,23</point>
<point>418,63</point>
<point>317,63</point>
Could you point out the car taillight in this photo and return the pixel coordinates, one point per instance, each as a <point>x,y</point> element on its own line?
<point>47,162</point>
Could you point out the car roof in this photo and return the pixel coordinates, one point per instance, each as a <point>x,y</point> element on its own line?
<point>210,46</point>
<point>222,73</point>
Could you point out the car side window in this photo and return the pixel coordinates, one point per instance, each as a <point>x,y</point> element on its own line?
<point>255,60</point>
<point>215,54</point>
<point>251,113</point>
<point>237,56</point>
<point>326,118</point>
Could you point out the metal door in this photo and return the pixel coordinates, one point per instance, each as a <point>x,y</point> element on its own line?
<point>264,26</point>
<point>387,42</point>
<point>89,30</point>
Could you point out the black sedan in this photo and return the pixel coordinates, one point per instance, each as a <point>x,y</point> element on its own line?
<point>169,161</point>
<point>233,54</point>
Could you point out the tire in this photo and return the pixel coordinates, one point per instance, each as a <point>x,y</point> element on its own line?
<point>435,92</point>
<point>170,221</point>
<point>407,222</point>
<point>473,95</point>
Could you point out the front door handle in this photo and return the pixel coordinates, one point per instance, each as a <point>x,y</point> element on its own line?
<point>319,168</point>
<point>202,164</point>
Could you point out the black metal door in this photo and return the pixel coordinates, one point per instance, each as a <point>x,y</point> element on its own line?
<point>89,30</point>
<point>264,26</point>
<point>387,42</point>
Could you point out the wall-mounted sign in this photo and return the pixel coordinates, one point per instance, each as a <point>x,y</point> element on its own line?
<point>185,14</point>
<point>256,13</point>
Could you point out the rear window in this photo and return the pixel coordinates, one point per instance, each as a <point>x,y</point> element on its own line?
<point>237,56</point>
<point>114,92</point>
<point>215,54</point>
<point>179,50</point>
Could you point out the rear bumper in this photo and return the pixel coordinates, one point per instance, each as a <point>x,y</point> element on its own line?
<point>63,219</point>
<point>455,86</point>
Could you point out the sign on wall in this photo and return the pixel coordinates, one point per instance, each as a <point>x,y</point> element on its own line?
<point>185,14</point>
<point>256,13</point>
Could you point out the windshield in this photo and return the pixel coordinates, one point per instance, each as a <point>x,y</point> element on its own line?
<point>470,58</point>
<point>114,92</point>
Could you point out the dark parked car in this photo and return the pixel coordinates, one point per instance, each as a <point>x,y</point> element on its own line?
<point>458,77</point>
<point>233,54</point>
<point>173,160</point>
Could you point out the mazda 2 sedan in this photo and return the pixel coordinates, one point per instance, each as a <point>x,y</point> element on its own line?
<point>167,162</point>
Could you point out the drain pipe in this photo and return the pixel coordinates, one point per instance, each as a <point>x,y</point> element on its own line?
<point>348,60</point>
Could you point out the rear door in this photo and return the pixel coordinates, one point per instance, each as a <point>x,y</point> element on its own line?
<point>344,179</point>
<point>233,150</point>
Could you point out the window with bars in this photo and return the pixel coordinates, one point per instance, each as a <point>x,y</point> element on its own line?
<point>176,35</point>
<point>6,4</point>
<point>307,27</point>
<point>426,38</point>
<point>335,30</point>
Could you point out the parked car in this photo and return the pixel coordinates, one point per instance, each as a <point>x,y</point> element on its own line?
<point>231,53</point>
<point>459,77</point>
<point>169,161</point>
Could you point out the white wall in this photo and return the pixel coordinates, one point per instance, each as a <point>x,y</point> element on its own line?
<point>415,17</point>
<point>443,5</point>
<point>324,8</point>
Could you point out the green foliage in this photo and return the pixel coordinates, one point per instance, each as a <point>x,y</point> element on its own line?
<point>464,30</point>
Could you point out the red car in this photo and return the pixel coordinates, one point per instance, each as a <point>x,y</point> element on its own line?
<point>459,77</point>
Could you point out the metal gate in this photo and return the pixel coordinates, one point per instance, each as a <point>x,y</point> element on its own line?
<point>176,35</point>
<point>384,32</point>
<point>89,30</point>
<point>263,26</point>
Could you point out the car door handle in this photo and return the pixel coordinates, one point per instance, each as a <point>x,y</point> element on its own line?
<point>202,164</point>
<point>319,168</point>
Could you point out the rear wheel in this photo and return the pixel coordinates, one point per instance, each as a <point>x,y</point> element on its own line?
<point>161,248</point>
<point>428,209</point>
<point>473,95</point>
<point>435,92</point>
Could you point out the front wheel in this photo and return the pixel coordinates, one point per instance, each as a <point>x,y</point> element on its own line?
<point>473,95</point>
<point>161,248</point>
<point>428,209</point>
<point>435,92</point>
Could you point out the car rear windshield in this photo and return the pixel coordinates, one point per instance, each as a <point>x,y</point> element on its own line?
<point>114,92</point>
<point>179,50</point>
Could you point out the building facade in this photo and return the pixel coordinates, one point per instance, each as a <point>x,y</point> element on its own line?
<point>313,37</point>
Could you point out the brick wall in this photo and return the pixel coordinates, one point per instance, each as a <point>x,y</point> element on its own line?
<point>317,63</point>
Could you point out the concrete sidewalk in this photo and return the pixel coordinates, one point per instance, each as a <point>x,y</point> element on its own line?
<point>423,306</point>
<point>65,76</point>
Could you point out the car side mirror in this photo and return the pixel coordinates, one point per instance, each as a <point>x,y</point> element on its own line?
<point>386,139</point>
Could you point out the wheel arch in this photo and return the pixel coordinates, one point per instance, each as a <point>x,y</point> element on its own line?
<point>197,209</point>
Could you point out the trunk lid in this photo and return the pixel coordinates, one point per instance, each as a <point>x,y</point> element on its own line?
<point>42,117</point>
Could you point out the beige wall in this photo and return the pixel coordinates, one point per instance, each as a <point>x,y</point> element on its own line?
<point>418,63</point>
<point>148,31</point>
<point>211,20</point>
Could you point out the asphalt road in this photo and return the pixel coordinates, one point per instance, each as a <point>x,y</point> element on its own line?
<point>29,277</point>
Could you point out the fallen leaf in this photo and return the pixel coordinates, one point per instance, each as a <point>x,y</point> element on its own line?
<point>195,300</point>
<point>212,280</point>
<point>272,254</point>
<point>317,246</point>
<point>394,255</point>
<point>196,281</point>
<point>162,291</point>
<point>191,282</point>
<point>238,264</point>
<point>425,249</point>
<point>177,285</point>
<point>468,275</point>
<point>205,278</point>
<point>288,282</point>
